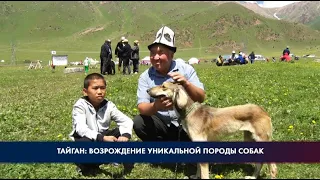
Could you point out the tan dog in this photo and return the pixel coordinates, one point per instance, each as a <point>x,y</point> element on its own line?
<point>204,123</point>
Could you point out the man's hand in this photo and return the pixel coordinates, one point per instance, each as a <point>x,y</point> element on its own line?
<point>195,93</point>
<point>123,139</point>
<point>176,76</point>
<point>109,139</point>
<point>163,103</point>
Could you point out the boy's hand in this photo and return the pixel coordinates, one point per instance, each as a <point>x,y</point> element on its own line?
<point>122,139</point>
<point>109,139</point>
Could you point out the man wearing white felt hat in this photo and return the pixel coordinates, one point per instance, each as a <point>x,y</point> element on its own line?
<point>157,120</point>
<point>166,37</point>
<point>118,53</point>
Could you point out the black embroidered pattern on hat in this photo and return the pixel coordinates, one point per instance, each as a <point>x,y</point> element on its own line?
<point>159,35</point>
<point>167,37</point>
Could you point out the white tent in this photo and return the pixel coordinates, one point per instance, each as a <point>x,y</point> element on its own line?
<point>93,63</point>
<point>146,60</point>
<point>193,60</point>
<point>179,59</point>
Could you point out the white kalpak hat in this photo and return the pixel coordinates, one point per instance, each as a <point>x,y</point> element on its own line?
<point>165,36</point>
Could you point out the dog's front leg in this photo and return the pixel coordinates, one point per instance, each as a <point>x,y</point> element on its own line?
<point>204,170</point>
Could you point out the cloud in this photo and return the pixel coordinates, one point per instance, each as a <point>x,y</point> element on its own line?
<point>274,4</point>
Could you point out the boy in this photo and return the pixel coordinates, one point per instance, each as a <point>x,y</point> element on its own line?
<point>92,115</point>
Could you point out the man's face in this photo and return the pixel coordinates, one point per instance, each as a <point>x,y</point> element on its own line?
<point>96,91</point>
<point>161,57</point>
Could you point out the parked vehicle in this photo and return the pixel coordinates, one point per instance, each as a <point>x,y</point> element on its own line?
<point>259,57</point>
<point>294,56</point>
<point>309,55</point>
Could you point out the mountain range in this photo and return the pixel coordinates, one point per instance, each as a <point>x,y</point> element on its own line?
<point>203,28</point>
<point>305,12</point>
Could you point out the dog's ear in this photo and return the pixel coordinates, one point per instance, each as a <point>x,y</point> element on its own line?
<point>180,98</point>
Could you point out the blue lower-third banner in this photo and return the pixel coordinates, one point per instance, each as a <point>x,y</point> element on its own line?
<point>153,152</point>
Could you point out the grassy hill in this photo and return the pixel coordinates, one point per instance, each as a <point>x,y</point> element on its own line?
<point>203,29</point>
<point>315,24</point>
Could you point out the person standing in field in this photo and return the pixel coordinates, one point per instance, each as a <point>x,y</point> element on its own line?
<point>104,54</point>
<point>108,66</point>
<point>135,56</point>
<point>86,63</point>
<point>126,54</point>
<point>286,50</point>
<point>252,57</point>
<point>118,52</point>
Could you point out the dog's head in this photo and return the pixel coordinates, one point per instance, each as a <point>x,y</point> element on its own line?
<point>172,90</point>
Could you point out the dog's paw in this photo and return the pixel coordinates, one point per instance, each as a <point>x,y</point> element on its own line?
<point>250,177</point>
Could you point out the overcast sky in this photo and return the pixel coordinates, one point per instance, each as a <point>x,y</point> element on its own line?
<point>273,4</point>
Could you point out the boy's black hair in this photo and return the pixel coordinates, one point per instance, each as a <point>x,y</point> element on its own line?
<point>90,77</point>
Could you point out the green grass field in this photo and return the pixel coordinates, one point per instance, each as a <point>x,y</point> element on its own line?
<point>36,105</point>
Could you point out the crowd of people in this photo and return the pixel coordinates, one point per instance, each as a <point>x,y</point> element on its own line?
<point>156,120</point>
<point>234,59</point>
<point>241,58</point>
<point>124,53</point>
